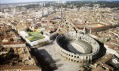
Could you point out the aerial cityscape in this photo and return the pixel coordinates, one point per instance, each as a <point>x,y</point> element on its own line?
<point>59,35</point>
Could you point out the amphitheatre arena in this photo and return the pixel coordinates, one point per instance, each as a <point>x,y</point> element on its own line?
<point>79,48</point>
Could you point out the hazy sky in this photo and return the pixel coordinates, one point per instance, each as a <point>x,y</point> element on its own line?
<point>16,1</point>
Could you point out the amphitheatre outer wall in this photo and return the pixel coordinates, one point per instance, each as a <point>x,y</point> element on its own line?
<point>82,58</point>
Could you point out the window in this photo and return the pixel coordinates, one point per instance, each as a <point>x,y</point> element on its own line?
<point>77,56</point>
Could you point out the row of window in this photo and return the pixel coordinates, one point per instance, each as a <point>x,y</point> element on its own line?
<point>63,53</point>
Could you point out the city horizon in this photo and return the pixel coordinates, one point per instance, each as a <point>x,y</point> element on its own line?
<point>29,1</point>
